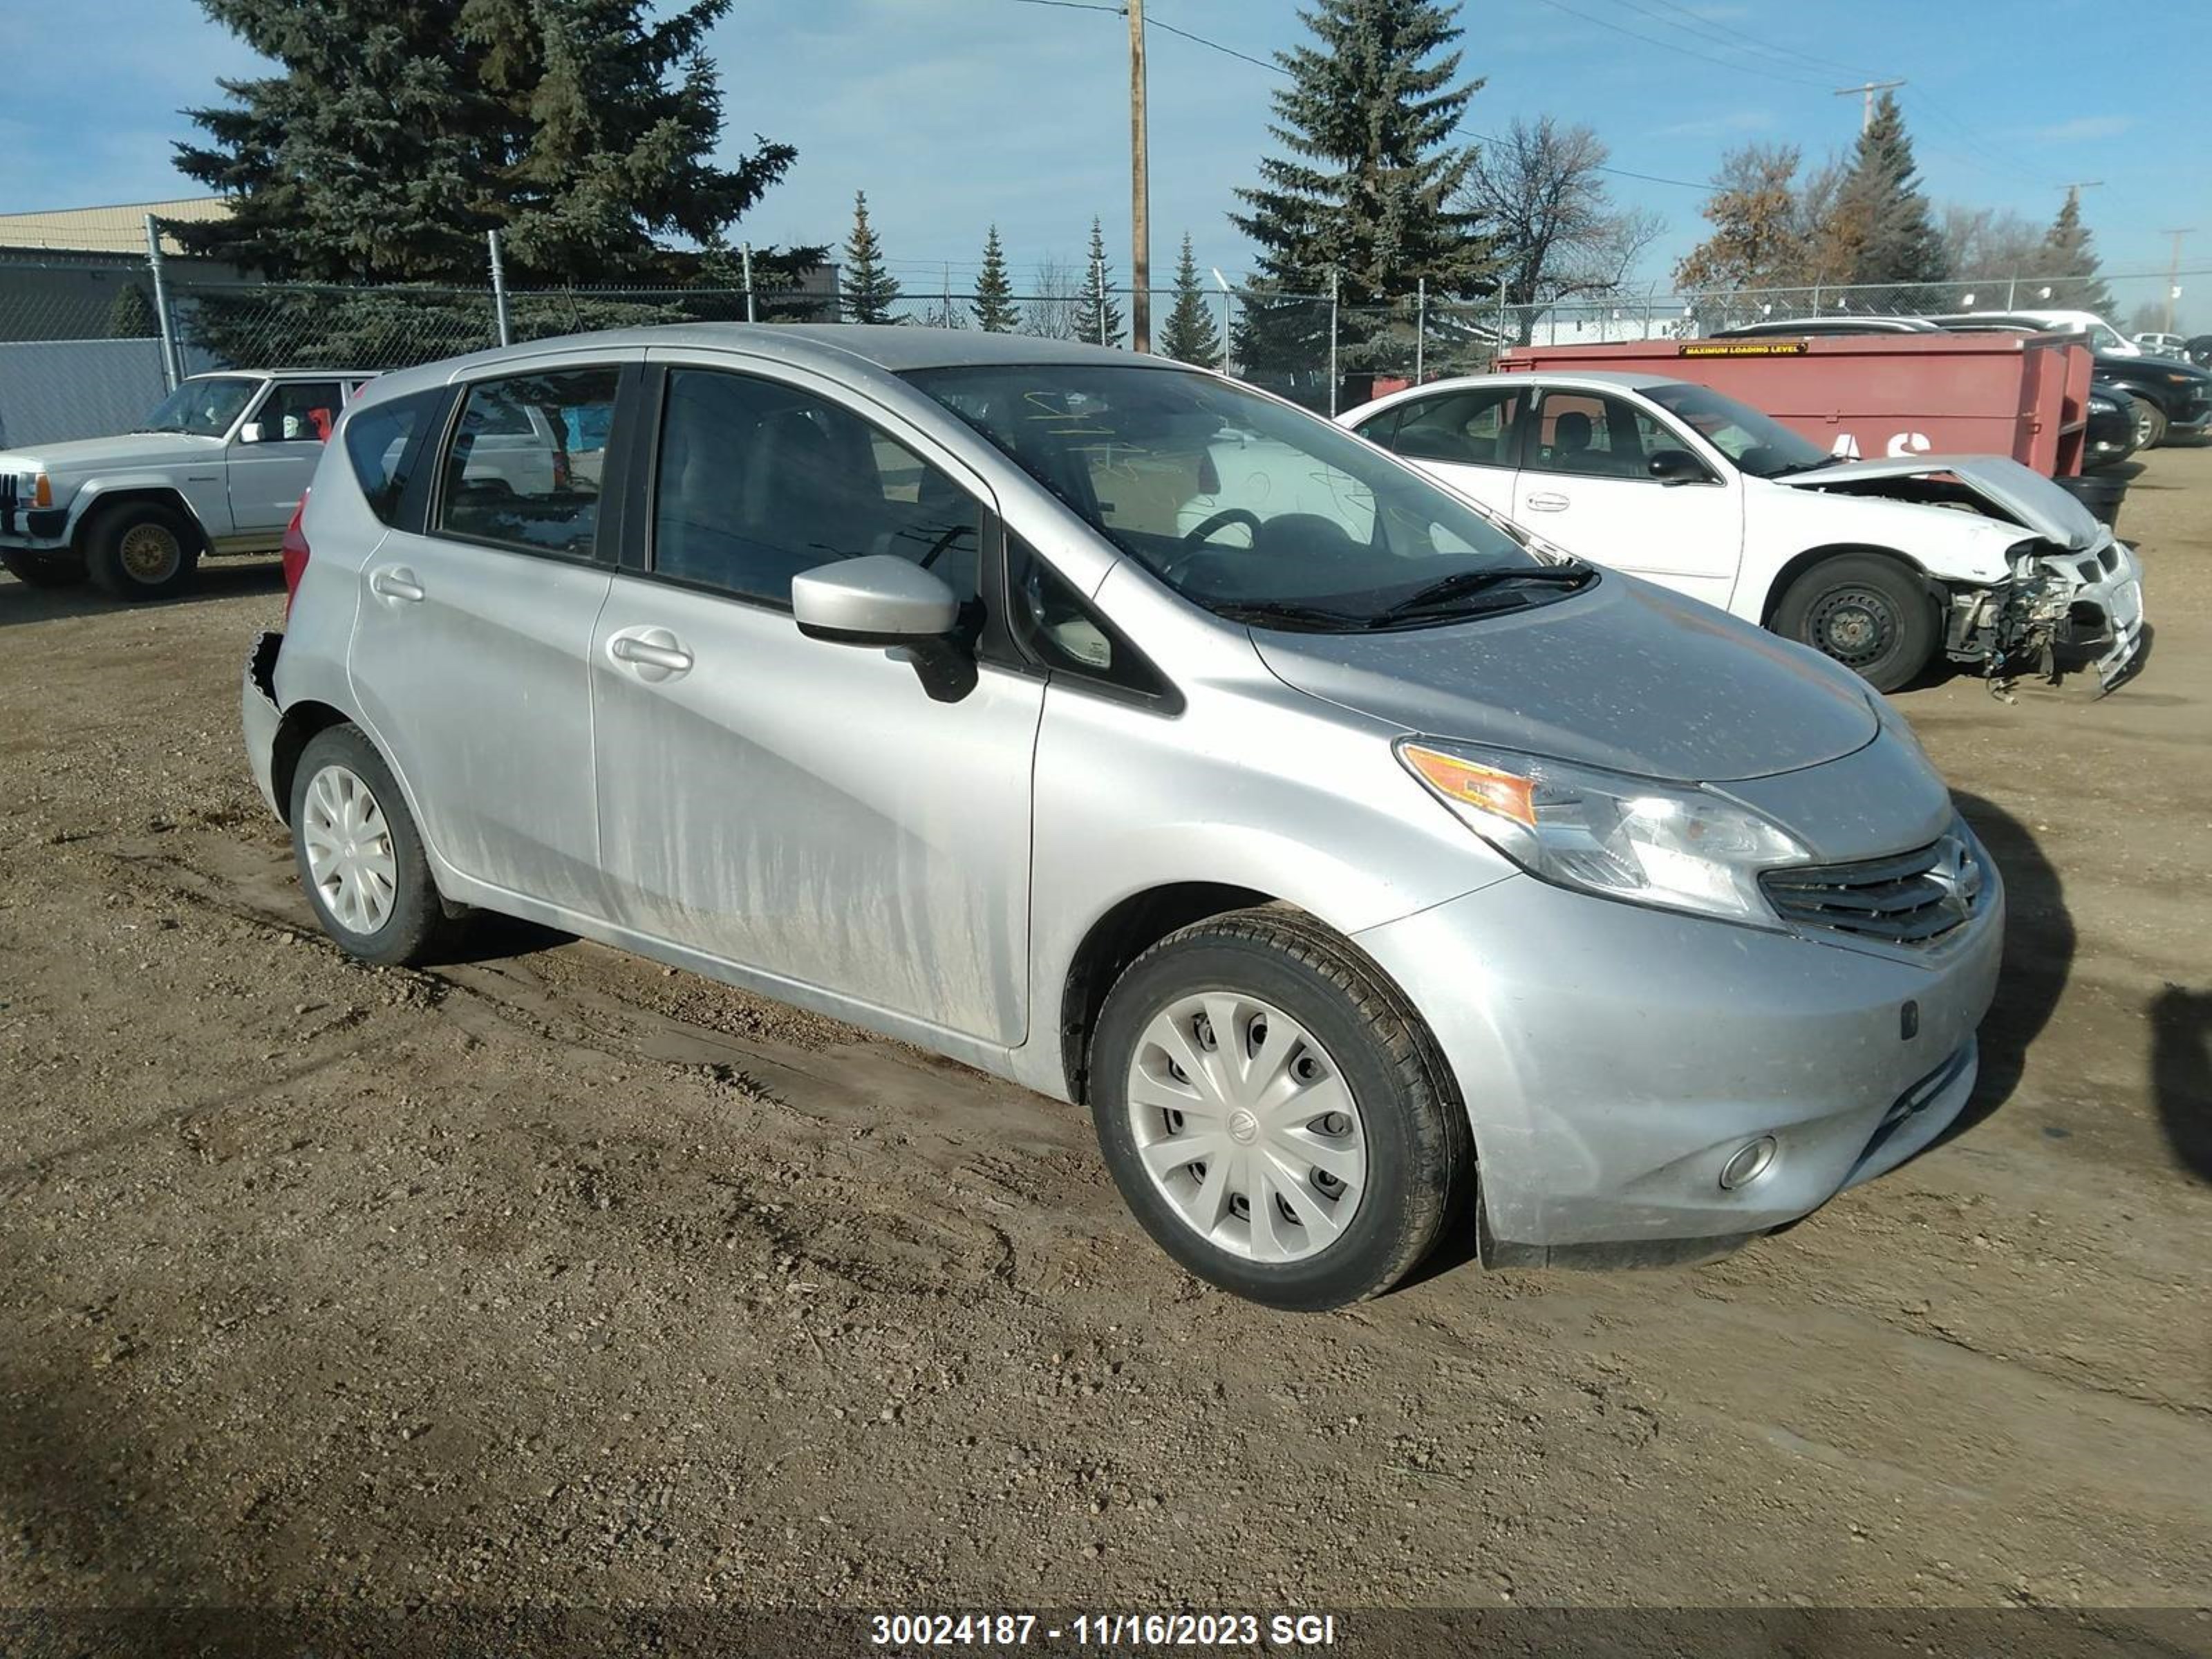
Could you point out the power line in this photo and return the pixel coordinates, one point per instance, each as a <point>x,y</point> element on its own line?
<point>1753,43</point>
<point>1665,45</point>
<point>1151,22</point>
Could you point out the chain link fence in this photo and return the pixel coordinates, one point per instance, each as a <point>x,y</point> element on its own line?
<point>1308,347</point>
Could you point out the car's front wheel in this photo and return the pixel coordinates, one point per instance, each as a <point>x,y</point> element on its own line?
<point>1869,613</point>
<point>359,855</point>
<point>1273,1113</point>
<point>2150,424</point>
<point>142,550</point>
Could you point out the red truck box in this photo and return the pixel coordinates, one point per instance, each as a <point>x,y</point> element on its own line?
<point>2022,395</point>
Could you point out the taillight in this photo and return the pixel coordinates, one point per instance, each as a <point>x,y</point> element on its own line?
<point>296,557</point>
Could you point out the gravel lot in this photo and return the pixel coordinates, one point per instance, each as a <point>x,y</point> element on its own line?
<point>548,1276</point>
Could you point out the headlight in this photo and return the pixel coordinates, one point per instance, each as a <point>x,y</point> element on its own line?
<point>1606,832</point>
<point>2102,405</point>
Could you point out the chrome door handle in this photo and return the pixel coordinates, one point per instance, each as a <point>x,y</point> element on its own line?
<point>654,652</point>
<point>396,581</point>
<point>1546,503</point>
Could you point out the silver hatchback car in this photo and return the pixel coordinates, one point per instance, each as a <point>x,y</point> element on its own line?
<point>1366,869</point>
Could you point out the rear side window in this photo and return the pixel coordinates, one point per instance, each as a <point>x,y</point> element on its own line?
<point>384,443</point>
<point>524,467</point>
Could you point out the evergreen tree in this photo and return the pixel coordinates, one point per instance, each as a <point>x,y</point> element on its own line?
<point>994,290</point>
<point>2069,262</point>
<point>1189,335</point>
<point>1098,319</point>
<point>400,131</point>
<point>1365,193</point>
<point>869,290</point>
<point>130,315</point>
<point>1881,229</point>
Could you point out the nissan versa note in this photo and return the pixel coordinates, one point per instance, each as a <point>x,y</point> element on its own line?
<point>1365,868</point>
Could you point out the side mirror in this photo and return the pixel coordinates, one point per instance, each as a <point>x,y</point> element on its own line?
<point>891,603</point>
<point>251,433</point>
<point>1677,466</point>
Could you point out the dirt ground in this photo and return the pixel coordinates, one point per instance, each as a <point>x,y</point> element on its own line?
<point>551,1277</point>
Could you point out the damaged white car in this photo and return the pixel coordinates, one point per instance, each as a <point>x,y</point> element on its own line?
<point>1884,565</point>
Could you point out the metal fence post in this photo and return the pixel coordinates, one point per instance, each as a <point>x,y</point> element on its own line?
<point>751,315</point>
<point>1420,328</point>
<point>172,369</point>
<point>1098,293</point>
<point>2012,285</point>
<point>1332,339</point>
<point>499,290</point>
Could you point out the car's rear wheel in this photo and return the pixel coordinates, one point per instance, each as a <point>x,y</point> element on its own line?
<point>142,550</point>
<point>359,855</point>
<point>1869,613</point>
<point>2150,424</point>
<point>43,569</point>
<point>1273,1113</point>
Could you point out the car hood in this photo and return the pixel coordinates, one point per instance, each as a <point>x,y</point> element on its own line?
<point>83,455</point>
<point>2015,492</point>
<point>1623,675</point>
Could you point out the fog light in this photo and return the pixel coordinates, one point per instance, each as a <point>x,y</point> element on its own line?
<point>1748,1162</point>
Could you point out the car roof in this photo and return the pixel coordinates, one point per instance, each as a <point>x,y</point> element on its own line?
<point>1829,324</point>
<point>1612,378</point>
<point>285,374</point>
<point>833,348</point>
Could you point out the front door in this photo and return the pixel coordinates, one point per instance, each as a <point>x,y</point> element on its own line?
<point>269,476</point>
<point>472,642</point>
<point>798,808</point>
<point>1586,484</point>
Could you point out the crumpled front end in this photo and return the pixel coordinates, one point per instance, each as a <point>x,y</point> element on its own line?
<point>2062,611</point>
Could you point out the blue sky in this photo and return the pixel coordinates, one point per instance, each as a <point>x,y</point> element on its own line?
<point>953,113</point>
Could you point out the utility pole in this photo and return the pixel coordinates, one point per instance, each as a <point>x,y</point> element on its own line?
<point>2074,190</point>
<point>1140,206</point>
<point>1867,90</point>
<point>2173,272</point>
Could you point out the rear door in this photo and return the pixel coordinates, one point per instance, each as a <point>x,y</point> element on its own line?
<point>268,475</point>
<point>798,808</point>
<point>473,641</point>
<point>1464,438</point>
<point>1586,484</point>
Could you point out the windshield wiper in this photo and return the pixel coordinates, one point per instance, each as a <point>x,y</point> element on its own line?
<point>1465,584</point>
<point>1791,469</point>
<point>1268,613</point>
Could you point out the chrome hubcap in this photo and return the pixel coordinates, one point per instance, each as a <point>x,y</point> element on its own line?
<point>150,553</point>
<point>1246,1127</point>
<point>349,853</point>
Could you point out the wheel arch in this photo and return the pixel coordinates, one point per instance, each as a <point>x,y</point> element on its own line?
<point>1135,924</point>
<point>98,498</point>
<point>1787,576</point>
<point>301,724</point>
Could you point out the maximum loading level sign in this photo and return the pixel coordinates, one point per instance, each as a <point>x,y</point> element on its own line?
<point>1743,349</point>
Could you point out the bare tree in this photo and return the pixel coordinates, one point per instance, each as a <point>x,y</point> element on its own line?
<point>1052,310</point>
<point>1984,242</point>
<point>1541,192</point>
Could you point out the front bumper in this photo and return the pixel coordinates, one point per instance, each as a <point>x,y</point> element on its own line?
<point>2104,623</point>
<point>35,529</point>
<point>258,713</point>
<point>1614,1058</point>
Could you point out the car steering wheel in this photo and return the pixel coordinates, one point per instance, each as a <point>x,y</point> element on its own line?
<point>1205,530</point>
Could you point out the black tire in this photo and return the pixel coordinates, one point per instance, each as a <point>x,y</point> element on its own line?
<point>1419,1150</point>
<point>2150,424</point>
<point>1869,613</point>
<point>142,550</point>
<point>414,918</point>
<point>43,569</point>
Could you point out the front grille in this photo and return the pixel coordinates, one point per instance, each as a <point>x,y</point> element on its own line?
<point>1912,898</point>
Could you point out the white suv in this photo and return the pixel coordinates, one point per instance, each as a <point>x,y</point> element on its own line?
<point>218,467</point>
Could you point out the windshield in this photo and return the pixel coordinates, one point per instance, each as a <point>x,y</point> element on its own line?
<point>206,408</point>
<point>1258,511</point>
<point>1757,443</point>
